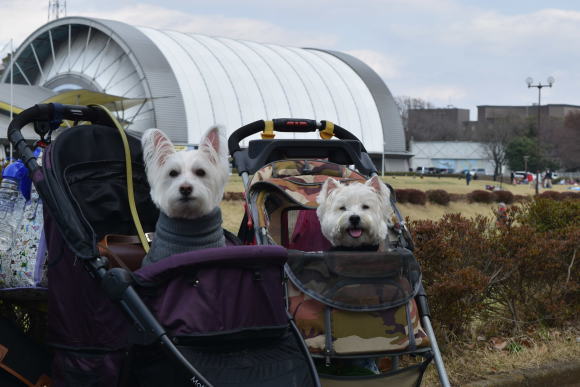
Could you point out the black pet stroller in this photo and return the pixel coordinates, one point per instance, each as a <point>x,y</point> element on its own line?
<point>363,315</point>
<point>218,314</point>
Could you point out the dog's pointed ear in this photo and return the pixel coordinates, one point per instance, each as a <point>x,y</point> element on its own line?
<point>157,147</point>
<point>214,144</point>
<point>329,185</point>
<point>376,184</point>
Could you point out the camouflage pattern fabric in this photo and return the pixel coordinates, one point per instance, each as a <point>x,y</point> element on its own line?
<point>356,332</point>
<point>288,168</point>
<point>301,180</point>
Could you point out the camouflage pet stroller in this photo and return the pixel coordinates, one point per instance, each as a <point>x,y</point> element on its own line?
<point>206,317</point>
<point>363,314</point>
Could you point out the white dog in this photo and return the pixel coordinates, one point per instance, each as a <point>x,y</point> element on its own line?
<point>187,186</point>
<point>355,215</point>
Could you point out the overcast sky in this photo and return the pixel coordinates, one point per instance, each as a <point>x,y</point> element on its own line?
<point>462,53</point>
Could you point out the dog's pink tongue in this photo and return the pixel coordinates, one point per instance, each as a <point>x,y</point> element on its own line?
<point>355,232</point>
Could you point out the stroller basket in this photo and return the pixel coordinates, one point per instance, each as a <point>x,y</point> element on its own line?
<point>356,282</point>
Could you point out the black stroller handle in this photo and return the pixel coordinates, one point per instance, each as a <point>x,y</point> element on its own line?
<point>53,114</point>
<point>288,125</point>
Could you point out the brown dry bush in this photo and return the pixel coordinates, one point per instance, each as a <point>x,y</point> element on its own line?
<point>451,252</point>
<point>554,195</point>
<point>508,277</point>
<point>535,283</point>
<point>521,198</point>
<point>416,196</point>
<point>503,196</point>
<point>570,195</point>
<point>480,196</point>
<point>402,195</point>
<point>438,196</point>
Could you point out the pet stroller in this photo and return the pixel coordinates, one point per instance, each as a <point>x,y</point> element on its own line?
<point>218,314</point>
<point>364,315</point>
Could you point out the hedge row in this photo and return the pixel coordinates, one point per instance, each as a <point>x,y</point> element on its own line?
<point>442,197</point>
<point>487,277</point>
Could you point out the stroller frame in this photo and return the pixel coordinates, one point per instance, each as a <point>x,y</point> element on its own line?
<point>348,151</point>
<point>116,282</point>
<point>120,285</point>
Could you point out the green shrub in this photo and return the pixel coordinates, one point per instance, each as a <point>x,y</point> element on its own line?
<point>554,195</point>
<point>503,196</point>
<point>438,196</point>
<point>547,214</point>
<point>480,196</point>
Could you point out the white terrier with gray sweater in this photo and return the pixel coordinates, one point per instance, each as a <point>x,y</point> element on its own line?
<point>187,186</point>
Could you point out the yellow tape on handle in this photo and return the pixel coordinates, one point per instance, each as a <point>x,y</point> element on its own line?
<point>268,132</point>
<point>328,131</point>
<point>129,173</point>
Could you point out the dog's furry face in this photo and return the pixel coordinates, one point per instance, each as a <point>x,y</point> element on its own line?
<point>186,184</point>
<point>356,214</point>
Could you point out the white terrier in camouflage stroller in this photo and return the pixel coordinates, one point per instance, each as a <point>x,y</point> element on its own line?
<point>363,314</point>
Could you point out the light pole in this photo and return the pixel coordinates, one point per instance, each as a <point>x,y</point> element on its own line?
<point>539,85</point>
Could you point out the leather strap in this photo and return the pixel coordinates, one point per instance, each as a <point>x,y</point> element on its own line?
<point>125,239</point>
<point>43,380</point>
<point>104,250</point>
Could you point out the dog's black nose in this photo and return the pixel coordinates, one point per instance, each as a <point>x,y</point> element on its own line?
<point>185,190</point>
<point>354,219</point>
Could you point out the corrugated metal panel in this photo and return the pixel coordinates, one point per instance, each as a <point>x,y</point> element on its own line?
<point>195,81</point>
<point>392,125</point>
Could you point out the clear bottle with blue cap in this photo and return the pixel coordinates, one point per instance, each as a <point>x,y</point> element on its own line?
<point>15,185</point>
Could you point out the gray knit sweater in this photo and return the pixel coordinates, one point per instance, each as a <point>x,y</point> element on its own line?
<point>174,235</point>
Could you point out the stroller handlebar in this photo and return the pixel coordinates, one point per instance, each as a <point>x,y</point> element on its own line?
<point>288,125</point>
<point>51,115</point>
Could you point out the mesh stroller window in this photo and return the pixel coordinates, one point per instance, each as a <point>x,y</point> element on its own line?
<point>100,192</point>
<point>354,280</point>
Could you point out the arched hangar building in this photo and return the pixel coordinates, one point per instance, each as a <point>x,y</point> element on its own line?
<point>183,83</point>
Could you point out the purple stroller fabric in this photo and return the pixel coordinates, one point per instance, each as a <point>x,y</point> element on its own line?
<point>217,291</point>
<point>200,293</point>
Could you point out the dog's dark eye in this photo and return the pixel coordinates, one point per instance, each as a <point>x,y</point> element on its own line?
<point>343,208</point>
<point>173,173</point>
<point>365,207</point>
<point>200,172</point>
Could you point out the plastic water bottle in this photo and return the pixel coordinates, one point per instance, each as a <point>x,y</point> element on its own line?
<point>11,203</point>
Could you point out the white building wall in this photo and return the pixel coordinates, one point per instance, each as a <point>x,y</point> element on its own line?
<point>457,155</point>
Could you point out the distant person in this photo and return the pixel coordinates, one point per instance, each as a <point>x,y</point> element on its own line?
<point>501,215</point>
<point>548,179</point>
<point>529,177</point>
<point>468,177</point>
<point>513,177</point>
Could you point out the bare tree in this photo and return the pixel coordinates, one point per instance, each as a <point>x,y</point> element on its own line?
<point>406,103</point>
<point>496,135</point>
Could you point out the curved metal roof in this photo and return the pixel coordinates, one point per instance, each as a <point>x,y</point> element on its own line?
<point>193,81</point>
